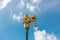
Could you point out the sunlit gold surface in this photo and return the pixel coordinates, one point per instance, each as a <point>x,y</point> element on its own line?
<point>27,20</point>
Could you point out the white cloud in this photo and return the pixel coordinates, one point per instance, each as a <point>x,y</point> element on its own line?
<point>44,5</point>
<point>27,5</point>
<point>30,7</point>
<point>22,4</point>
<point>36,1</point>
<point>51,37</point>
<point>4,3</point>
<point>16,17</point>
<point>48,4</point>
<point>43,35</point>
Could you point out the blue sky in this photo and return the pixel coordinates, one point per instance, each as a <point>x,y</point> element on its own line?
<point>12,12</point>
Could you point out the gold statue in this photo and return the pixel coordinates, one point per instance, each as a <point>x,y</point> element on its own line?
<point>27,20</point>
